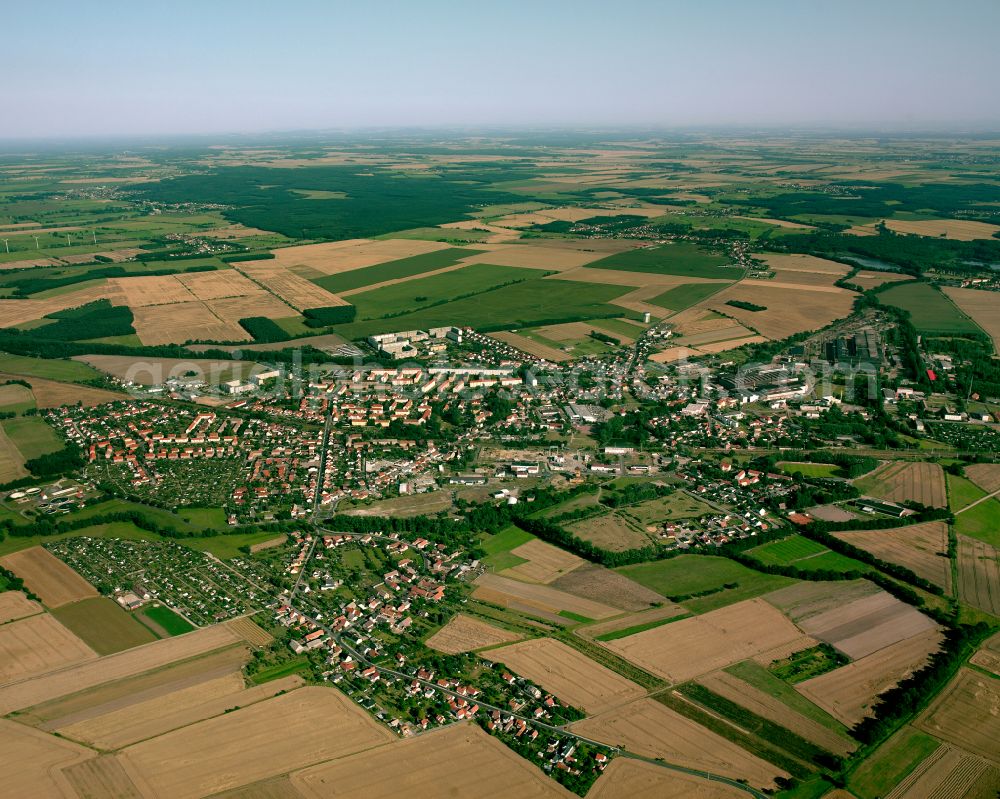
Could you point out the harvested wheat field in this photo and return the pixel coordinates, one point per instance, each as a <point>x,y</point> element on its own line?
<point>870,280</point>
<point>989,655</point>
<point>47,577</point>
<point>636,779</point>
<point>922,548</point>
<point>651,729</point>
<point>691,647</point>
<point>511,593</point>
<point>979,574</point>
<point>37,645</point>
<point>53,394</point>
<point>40,759</point>
<point>465,634</point>
<point>156,716</point>
<point>180,322</point>
<point>868,624</point>
<point>574,678</point>
<point>458,761</point>
<point>984,475</point>
<point>848,692</point>
<point>101,777</point>
<point>803,263</point>
<point>949,773</point>
<point>981,306</point>
<point>532,347</point>
<point>599,584</point>
<point>544,562</point>
<point>904,481</point>
<point>768,706</point>
<point>28,693</point>
<point>967,714</point>
<point>342,256</point>
<point>247,629</point>
<point>955,229</point>
<point>232,309</point>
<point>139,292</point>
<point>295,290</point>
<point>668,611</point>
<point>256,742</point>
<point>15,605</point>
<point>674,354</point>
<point>273,788</point>
<point>790,309</point>
<point>219,284</point>
<point>726,331</point>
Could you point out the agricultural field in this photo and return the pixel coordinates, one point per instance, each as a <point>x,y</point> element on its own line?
<point>702,582</point>
<point>32,436</point>
<point>16,399</point>
<point>984,475</point>
<point>539,600</point>
<point>922,548</point>
<point>47,577</point>
<point>892,763</point>
<point>653,730</point>
<point>15,605</point>
<point>244,747</point>
<point>981,307</point>
<point>930,310</point>
<point>40,760</point>
<point>465,634</point>
<point>458,761</point>
<point>981,521</point>
<point>572,677</point>
<point>979,574</point>
<point>965,714</point>
<point>680,258</point>
<point>103,625</point>
<point>610,531</point>
<point>634,778</point>
<point>543,563</point>
<point>803,553</point>
<point>906,481</point>
<point>11,459</point>
<point>698,645</point>
<point>36,645</point>
<point>847,693</point>
<point>397,270</point>
<point>608,587</point>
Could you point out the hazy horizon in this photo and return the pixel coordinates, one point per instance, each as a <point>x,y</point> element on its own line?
<point>224,68</point>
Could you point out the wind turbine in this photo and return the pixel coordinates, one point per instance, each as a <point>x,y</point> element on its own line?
<point>6,243</point>
<point>36,242</point>
<point>67,240</point>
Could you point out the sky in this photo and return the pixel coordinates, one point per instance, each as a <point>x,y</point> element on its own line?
<point>116,68</point>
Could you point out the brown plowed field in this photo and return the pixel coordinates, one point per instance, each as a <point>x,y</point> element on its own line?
<point>688,648</point>
<point>967,714</point>
<point>504,591</point>
<point>651,729</point>
<point>571,676</point>
<point>636,779</point>
<point>458,761</point>
<point>904,481</point>
<point>599,584</point>
<point>101,777</point>
<point>465,633</point>
<point>37,645</point>
<point>544,562</point>
<point>979,574</point>
<point>33,762</point>
<point>867,625</point>
<point>848,692</point>
<point>282,734</point>
<point>113,667</point>
<point>48,577</point>
<point>806,600</point>
<point>171,711</point>
<point>922,548</point>
<point>15,605</point>
<point>763,704</point>
<point>984,475</point>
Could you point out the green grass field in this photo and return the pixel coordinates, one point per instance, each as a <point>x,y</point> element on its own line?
<point>753,673</point>
<point>890,763</point>
<point>53,369</point>
<point>498,548</point>
<point>692,574</point>
<point>678,258</point>
<point>681,297</point>
<point>622,327</point>
<point>166,619</point>
<point>962,492</point>
<point>294,666</point>
<point>639,628</point>
<point>411,294</point>
<point>982,522</point>
<point>804,554</point>
<point>521,305</point>
<point>392,270</point>
<point>103,625</point>
<point>929,309</point>
<point>810,469</point>
<point>214,518</point>
<point>32,435</point>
